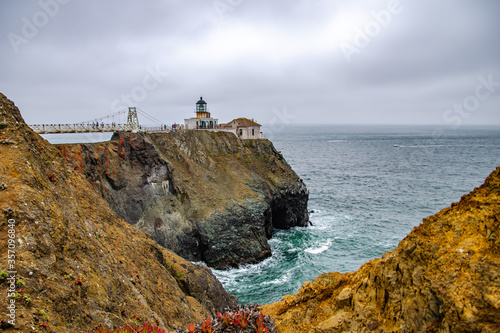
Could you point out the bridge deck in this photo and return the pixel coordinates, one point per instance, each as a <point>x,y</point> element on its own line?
<point>89,128</point>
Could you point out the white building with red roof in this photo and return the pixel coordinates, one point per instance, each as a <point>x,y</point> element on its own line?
<point>243,128</point>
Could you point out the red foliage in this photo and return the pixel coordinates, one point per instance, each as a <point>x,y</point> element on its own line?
<point>261,327</point>
<point>79,281</point>
<point>206,327</point>
<point>246,319</point>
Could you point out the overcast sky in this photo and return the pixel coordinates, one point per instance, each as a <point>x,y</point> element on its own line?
<point>277,61</point>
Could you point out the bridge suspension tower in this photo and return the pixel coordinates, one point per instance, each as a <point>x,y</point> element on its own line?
<point>132,119</point>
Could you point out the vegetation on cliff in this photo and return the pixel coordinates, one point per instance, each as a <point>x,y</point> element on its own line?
<point>205,195</point>
<point>75,264</point>
<point>443,277</point>
<point>241,319</point>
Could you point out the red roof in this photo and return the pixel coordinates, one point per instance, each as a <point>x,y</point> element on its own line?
<point>241,122</point>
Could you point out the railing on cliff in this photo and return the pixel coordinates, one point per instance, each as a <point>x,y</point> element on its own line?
<point>77,128</point>
<point>104,124</point>
<point>89,128</point>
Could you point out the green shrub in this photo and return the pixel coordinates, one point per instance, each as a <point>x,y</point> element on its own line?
<point>3,275</point>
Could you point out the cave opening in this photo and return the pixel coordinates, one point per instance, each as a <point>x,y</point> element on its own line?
<point>279,217</point>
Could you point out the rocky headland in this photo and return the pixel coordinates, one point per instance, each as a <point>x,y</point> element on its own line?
<point>204,195</point>
<point>76,265</point>
<point>73,263</point>
<point>443,277</point>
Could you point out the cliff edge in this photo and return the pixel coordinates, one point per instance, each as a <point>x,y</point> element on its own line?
<point>68,263</point>
<point>443,277</point>
<point>205,195</point>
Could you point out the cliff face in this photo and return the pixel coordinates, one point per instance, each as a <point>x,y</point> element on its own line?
<point>443,277</point>
<point>205,195</point>
<point>75,264</point>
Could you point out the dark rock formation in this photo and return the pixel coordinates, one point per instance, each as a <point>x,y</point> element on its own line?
<point>77,265</point>
<point>443,277</point>
<point>205,195</point>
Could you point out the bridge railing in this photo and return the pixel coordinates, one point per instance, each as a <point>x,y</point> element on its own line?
<point>155,129</point>
<point>77,128</point>
<point>87,128</point>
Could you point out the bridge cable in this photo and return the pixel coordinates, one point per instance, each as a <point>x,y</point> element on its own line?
<point>104,117</point>
<point>150,117</point>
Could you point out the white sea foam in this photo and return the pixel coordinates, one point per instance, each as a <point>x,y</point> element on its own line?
<point>322,248</point>
<point>283,279</point>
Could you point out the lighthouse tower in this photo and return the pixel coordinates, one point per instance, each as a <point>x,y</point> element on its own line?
<point>202,109</point>
<point>203,119</point>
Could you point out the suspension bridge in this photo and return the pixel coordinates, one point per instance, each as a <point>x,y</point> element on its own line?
<point>109,123</point>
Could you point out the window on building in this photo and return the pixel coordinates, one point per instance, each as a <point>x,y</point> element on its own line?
<point>253,131</point>
<point>241,132</point>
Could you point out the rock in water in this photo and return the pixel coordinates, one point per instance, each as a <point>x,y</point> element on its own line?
<point>75,265</point>
<point>443,277</point>
<point>205,195</point>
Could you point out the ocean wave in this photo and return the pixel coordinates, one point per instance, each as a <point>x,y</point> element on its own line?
<point>320,249</point>
<point>283,279</point>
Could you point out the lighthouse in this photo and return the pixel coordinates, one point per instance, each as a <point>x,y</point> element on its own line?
<point>203,119</point>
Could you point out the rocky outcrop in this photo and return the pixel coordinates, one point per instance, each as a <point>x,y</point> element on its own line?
<point>443,277</point>
<point>75,265</point>
<point>205,195</point>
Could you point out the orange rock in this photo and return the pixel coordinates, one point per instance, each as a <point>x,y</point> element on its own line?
<point>66,250</point>
<point>443,277</point>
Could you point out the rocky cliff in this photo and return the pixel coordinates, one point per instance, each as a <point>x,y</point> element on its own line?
<point>73,264</point>
<point>443,277</point>
<point>205,195</point>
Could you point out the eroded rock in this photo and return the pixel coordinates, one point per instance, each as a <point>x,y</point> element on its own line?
<point>77,265</point>
<point>205,195</point>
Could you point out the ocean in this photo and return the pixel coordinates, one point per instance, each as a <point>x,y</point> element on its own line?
<point>369,187</point>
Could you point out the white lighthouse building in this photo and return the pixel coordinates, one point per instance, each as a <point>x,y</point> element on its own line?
<point>203,120</point>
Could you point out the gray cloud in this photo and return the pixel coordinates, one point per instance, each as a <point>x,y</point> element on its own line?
<point>250,57</point>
